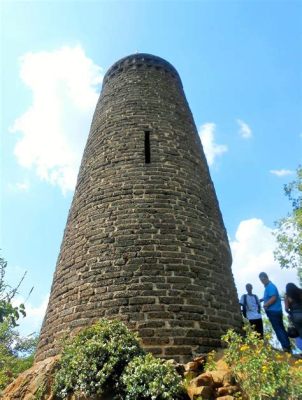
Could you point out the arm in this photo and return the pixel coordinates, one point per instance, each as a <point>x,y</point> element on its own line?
<point>270,301</point>
<point>271,295</point>
<point>287,303</point>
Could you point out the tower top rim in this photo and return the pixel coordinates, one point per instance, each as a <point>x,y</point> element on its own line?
<point>138,59</point>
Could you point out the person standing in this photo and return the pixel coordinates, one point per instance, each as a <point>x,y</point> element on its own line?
<point>293,305</point>
<point>251,309</point>
<point>273,309</point>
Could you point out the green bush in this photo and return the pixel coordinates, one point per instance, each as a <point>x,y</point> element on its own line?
<point>93,360</point>
<point>16,353</point>
<point>210,364</point>
<point>149,378</point>
<point>261,371</point>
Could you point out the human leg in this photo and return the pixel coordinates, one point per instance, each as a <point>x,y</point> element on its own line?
<point>257,326</point>
<point>276,319</point>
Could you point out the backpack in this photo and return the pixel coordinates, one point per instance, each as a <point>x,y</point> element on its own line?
<point>245,303</point>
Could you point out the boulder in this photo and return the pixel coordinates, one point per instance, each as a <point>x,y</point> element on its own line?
<point>227,390</point>
<point>34,382</point>
<point>205,392</point>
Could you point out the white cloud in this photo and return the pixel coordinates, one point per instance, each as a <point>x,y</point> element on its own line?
<point>22,186</point>
<point>19,186</point>
<point>244,130</point>
<point>252,252</point>
<point>211,149</point>
<point>54,128</point>
<point>34,316</point>
<point>281,172</point>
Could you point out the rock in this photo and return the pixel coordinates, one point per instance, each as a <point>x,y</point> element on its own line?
<point>218,377</point>
<point>221,365</point>
<point>34,382</point>
<point>229,379</point>
<point>205,392</point>
<point>202,385</point>
<point>227,390</point>
<point>204,379</point>
<point>191,366</point>
<point>201,359</point>
<point>197,365</point>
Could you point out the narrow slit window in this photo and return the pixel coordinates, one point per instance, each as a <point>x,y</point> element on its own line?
<point>147,148</point>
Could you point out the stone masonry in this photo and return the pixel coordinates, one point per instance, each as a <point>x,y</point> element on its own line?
<point>144,241</point>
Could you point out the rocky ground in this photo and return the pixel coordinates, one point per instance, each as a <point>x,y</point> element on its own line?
<point>36,383</point>
<point>216,384</point>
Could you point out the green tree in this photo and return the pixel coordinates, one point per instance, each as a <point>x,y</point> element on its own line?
<point>8,312</point>
<point>16,353</point>
<point>289,229</point>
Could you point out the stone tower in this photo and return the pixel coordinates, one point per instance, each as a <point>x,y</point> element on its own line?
<point>144,241</point>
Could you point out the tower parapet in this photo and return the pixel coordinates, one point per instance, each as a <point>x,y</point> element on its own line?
<point>140,60</point>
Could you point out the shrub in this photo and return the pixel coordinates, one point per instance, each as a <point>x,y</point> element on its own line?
<point>210,364</point>
<point>261,371</point>
<point>93,360</point>
<point>296,376</point>
<point>149,378</point>
<point>16,353</point>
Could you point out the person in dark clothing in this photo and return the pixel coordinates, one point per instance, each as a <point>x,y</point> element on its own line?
<point>293,305</point>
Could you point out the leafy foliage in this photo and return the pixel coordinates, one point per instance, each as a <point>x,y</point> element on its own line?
<point>8,312</point>
<point>16,353</point>
<point>289,229</point>
<point>210,364</point>
<point>149,378</point>
<point>107,358</point>
<point>93,360</point>
<point>261,371</point>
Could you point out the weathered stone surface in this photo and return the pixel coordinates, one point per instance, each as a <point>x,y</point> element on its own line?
<point>197,365</point>
<point>218,377</point>
<point>204,392</point>
<point>34,382</point>
<point>228,379</point>
<point>204,379</point>
<point>218,383</point>
<point>144,239</point>
<point>227,390</point>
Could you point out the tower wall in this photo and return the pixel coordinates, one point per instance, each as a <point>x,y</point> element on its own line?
<point>144,240</point>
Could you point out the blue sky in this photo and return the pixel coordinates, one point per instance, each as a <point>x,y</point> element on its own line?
<point>240,64</point>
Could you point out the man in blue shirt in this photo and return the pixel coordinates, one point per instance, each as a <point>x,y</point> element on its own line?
<point>273,309</point>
